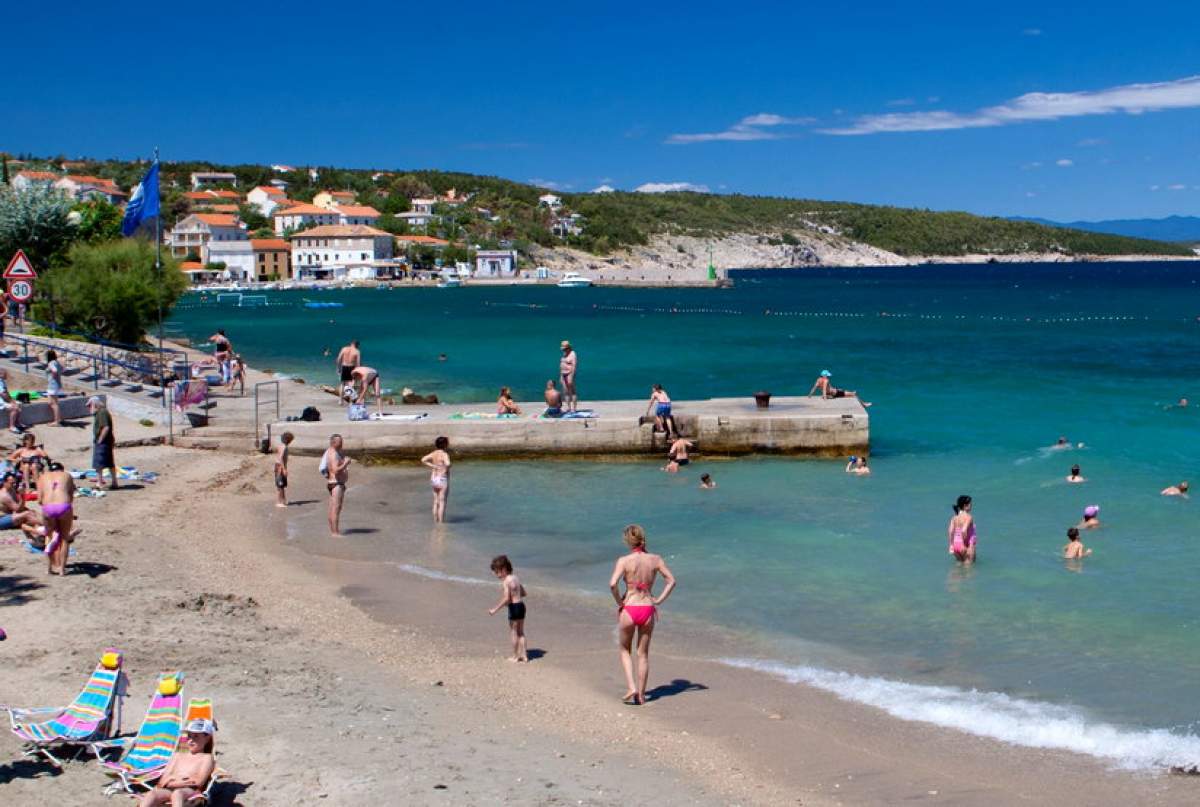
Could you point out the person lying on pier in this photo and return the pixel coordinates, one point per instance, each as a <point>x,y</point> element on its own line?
<point>827,390</point>
<point>9,404</point>
<point>505,405</point>
<point>553,401</point>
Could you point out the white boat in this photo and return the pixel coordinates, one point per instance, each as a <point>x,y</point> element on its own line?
<point>574,280</point>
<point>449,283</point>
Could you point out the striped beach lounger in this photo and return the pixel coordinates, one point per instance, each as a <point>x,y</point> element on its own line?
<point>88,718</point>
<point>145,754</point>
<point>198,709</point>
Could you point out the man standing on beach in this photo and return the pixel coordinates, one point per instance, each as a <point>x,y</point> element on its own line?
<point>567,366</point>
<point>103,441</point>
<point>348,358</point>
<point>334,465</point>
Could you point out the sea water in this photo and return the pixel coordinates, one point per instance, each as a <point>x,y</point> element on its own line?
<point>973,371</point>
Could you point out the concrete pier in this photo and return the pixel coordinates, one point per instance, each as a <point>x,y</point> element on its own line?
<point>718,426</point>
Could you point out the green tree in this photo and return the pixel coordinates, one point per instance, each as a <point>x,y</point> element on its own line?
<point>253,219</point>
<point>97,221</point>
<point>36,220</point>
<point>110,289</point>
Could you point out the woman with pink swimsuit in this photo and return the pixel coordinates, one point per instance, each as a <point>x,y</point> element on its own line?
<point>637,608</point>
<point>961,532</point>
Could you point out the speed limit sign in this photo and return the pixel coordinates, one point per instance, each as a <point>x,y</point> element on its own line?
<point>20,290</point>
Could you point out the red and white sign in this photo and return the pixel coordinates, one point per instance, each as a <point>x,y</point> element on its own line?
<point>20,268</point>
<point>20,290</point>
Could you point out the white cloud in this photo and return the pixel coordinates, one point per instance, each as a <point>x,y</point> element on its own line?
<point>1064,163</point>
<point>670,187</point>
<point>1031,166</point>
<point>751,127</point>
<point>1178,186</point>
<point>1032,32</point>
<point>549,183</point>
<point>1132,99</point>
<point>603,189</point>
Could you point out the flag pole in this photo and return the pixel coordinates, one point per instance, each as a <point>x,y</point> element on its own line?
<point>162,377</point>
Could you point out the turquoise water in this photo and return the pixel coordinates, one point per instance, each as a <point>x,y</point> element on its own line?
<point>972,370</point>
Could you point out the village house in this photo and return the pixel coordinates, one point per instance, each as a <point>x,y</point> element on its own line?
<point>24,180</point>
<point>550,200</point>
<point>413,219</point>
<point>272,258</point>
<point>198,273</point>
<point>207,200</point>
<point>357,214</point>
<point>335,251</point>
<point>495,263</point>
<point>299,215</point>
<point>332,199</point>
<point>564,226</point>
<point>422,206</point>
<point>82,188</point>
<point>266,198</point>
<point>207,179</point>
<point>193,233</point>
<point>238,257</point>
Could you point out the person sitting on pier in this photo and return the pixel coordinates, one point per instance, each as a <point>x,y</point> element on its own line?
<point>553,401</point>
<point>505,405</point>
<point>827,390</point>
<point>7,402</point>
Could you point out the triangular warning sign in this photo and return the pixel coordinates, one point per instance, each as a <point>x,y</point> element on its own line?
<point>19,268</point>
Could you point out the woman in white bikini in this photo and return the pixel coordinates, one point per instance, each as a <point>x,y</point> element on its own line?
<point>438,461</point>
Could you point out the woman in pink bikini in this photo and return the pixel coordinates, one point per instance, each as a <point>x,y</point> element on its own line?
<point>637,609</point>
<point>961,532</point>
<point>56,491</point>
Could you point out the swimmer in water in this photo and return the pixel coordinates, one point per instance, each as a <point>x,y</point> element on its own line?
<point>1074,478</point>
<point>1177,490</point>
<point>706,482</point>
<point>1091,518</point>
<point>677,456</point>
<point>858,466</point>
<point>442,357</point>
<point>961,531</point>
<point>1182,403</point>
<point>1074,548</point>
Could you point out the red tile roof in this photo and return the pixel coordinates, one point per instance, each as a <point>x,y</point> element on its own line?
<point>43,175</point>
<point>339,231</point>
<point>270,189</point>
<point>357,210</point>
<point>268,244</point>
<point>222,208</point>
<point>191,266</point>
<point>305,210</point>
<point>217,219</point>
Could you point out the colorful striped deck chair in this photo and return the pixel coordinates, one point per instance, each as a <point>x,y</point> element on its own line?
<point>88,718</point>
<point>198,709</point>
<point>147,752</point>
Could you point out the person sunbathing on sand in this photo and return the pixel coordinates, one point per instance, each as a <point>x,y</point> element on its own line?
<point>13,513</point>
<point>1074,548</point>
<point>186,775</point>
<point>637,608</point>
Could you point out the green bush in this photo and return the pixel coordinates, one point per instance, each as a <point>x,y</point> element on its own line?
<point>112,290</point>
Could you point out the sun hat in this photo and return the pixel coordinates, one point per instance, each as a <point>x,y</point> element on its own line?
<point>200,726</point>
<point>1091,511</point>
<point>826,374</point>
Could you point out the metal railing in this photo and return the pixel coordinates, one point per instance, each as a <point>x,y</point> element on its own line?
<point>258,401</point>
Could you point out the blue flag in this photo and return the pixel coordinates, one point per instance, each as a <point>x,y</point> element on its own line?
<point>143,205</point>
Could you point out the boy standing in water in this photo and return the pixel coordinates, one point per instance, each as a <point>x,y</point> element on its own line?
<point>1074,548</point>
<point>281,472</point>
<point>512,595</point>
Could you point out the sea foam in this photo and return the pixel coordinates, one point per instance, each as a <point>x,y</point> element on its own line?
<point>433,574</point>
<point>997,716</point>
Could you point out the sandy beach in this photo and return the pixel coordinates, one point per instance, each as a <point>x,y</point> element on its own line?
<point>338,680</point>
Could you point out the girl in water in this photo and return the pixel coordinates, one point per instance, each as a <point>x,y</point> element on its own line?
<point>961,532</point>
<point>1074,477</point>
<point>637,608</point>
<point>438,461</point>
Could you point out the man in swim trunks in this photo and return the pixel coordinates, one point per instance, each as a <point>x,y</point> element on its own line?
<point>567,367</point>
<point>335,464</point>
<point>553,400</point>
<point>677,456</point>
<point>347,359</point>
<point>222,352</point>
<point>367,378</point>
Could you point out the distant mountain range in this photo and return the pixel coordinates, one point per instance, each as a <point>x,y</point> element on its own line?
<point>1172,228</point>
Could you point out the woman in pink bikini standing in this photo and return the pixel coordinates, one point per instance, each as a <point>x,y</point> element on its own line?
<point>637,609</point>
<point>961,531</point>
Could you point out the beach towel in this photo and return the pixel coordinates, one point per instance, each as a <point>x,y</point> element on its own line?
<point>579,414</point>
<point>189,393</point>
<point>482,416</point>
<point>390,417</point>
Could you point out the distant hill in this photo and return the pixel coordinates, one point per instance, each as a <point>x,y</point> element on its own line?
<point>1172,228</point>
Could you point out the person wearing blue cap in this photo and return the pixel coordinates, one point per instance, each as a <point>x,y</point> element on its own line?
<point>827,390</point>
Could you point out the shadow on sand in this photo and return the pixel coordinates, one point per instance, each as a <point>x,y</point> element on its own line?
<point>676,687</point>
<point>16,589</point>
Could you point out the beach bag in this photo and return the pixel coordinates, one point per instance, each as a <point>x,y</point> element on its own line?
<point>323,466</point>
<point>310,414</point>
<point>356,412</point>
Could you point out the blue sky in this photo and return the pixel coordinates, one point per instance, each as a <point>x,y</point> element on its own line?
<point>924,104</point>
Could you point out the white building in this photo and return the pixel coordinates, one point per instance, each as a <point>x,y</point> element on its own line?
<point>238,257</point>
<point>207,179</point>
<point>413,219</point>
<point>193,234</point>
<point>266,198</point>
<point>495,263</point>
<point>357,214</point>
<point>423,206</point>
<point>550,200</point>
<point>24,180</point>
<point>332,251</point>
<point>82,188</point>
<point>300,215</point>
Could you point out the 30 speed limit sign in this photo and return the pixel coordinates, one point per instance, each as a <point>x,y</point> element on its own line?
<point>20,290</point>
